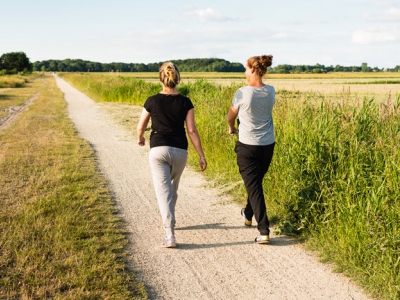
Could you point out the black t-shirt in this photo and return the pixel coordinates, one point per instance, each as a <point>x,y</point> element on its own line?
<point>168,115</point>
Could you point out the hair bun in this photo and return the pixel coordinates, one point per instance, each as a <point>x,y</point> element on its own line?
<point>260,63</point>
<point>169,74</point>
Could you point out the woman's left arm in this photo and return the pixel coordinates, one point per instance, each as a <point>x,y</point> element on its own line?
<point>195,138</point>
<point>142,125</point>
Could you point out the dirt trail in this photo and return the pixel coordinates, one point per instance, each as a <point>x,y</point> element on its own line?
<point>14,111</point>
<point>216,257</point>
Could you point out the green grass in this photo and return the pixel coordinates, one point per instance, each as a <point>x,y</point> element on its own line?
<point>60,235</point>
<point>334,179</point>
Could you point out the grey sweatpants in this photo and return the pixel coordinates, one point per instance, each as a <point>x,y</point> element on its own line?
<point>167,164</point>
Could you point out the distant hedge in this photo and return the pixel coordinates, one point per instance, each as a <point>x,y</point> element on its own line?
<point>185,65</point>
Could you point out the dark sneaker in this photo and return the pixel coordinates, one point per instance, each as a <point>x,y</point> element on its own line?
<point>246,222</point>
<point>262,239</point>
<point>169,242</point>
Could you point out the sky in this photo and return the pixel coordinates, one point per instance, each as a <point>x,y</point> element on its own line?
<point>340,32</point>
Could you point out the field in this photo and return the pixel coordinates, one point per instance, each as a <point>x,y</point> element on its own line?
<point>335,175</point>
<point>376,85</point>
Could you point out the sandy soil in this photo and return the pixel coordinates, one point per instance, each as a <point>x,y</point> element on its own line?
<point>216,257</point>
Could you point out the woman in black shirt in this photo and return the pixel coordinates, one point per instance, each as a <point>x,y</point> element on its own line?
<point>169,111</point>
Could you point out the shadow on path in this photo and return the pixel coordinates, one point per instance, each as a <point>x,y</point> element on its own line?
<point>279,241</point>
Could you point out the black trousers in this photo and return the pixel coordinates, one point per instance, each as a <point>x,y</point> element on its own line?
<point>253,162</point>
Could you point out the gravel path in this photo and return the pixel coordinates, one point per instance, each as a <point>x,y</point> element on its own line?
<point>216,257</point>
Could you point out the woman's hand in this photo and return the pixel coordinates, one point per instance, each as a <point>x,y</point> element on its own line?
<point>232,115</point>
<point>232,130</point>
<point>141,127</point>
<point>203,163</point>
<point>142,141</point>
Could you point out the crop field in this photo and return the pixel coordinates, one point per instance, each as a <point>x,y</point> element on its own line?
<point>335,175</point>
<point>376,85</point>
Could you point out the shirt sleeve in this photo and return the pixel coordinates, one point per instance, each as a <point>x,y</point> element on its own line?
<point>148,105</point>
<point>237,99</point>
<point>189,105</point>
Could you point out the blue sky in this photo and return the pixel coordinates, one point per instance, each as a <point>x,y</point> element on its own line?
<point>344,32</point>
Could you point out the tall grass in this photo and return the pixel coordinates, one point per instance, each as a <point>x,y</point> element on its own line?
<point>112,88</point>
<point>11,81</point>
<point>334,179</point>
<point>343,184</point>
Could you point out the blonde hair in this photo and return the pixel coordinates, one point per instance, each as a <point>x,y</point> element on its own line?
<point>260,64</point>
<point>169,74</point>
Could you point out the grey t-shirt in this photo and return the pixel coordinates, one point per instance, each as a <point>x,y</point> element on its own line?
<point>255,105</point>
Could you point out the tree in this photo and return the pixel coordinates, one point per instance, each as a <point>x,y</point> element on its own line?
<point>298,69</point>
<point>339,68</point>
<point>364,67</point>
<point>15,61</point>
<point>61,66</point>
<point>141,68</point>
<point>53,66</point>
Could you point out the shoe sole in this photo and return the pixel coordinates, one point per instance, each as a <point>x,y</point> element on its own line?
<point>263,242</point>
<point>169,246</point>
<point>246,222</point>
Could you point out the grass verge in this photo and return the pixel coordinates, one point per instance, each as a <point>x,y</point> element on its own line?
<point>60,236</point>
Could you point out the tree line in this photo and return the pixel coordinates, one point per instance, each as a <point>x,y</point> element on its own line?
<point>185,65</point>
<point>192,65</point>
<point>17,62</point>
<point>318,68</point>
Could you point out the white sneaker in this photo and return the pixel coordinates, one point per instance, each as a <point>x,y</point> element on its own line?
<point>246,222</point>
<point>262,239</point>
<point>169,242</point>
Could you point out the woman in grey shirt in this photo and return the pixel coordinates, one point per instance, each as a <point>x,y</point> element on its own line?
<point>252,105</point>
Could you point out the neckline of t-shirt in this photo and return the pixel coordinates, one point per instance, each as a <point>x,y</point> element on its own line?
<point>257,87</point>
<point>169,94</point>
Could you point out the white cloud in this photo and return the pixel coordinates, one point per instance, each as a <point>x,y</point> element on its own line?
<point>209,15</point>
<point>385,3</point>
<point>280,35</point>
<point>389,15</point>
<point>393,12</point>
<point>372,36</point>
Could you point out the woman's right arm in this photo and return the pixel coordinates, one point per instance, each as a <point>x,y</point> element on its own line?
<point>232,114</point>
<point>142,125</point>
<point>195,138</point>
